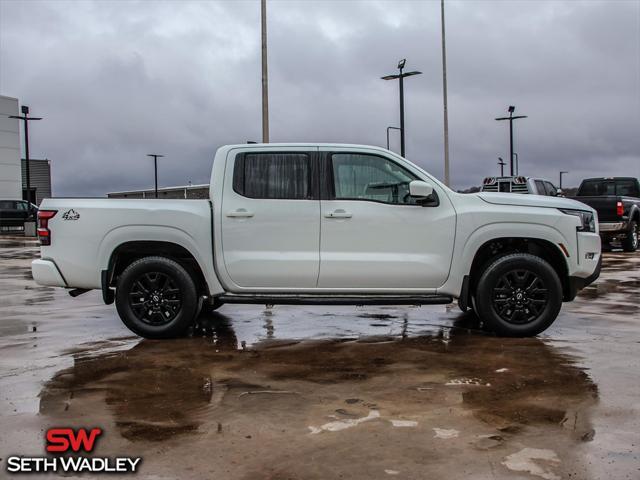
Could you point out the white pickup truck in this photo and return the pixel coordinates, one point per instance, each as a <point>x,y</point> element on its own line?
<point>321,224</point>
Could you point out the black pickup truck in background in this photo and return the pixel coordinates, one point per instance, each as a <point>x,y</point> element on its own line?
<point>617,201</point>
<point>13,213</point>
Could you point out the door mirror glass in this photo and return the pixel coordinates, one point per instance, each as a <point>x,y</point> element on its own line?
<point>420,189</point>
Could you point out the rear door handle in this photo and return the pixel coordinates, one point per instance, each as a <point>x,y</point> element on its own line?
<point>240,213</point>
<point>339,213</point>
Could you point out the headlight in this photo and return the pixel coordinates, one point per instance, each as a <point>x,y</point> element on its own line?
<point>587,220</point>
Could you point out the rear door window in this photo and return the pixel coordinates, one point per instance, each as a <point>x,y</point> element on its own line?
<point>284,176</point>
<point>540,187</point>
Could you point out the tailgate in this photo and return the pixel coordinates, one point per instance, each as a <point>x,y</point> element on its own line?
<point>605,205</point>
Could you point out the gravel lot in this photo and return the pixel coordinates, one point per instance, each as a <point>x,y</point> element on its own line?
<point>328,392</point>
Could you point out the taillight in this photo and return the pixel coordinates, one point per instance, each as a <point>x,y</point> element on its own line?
<point>619,209</point>
<point>44,234</point>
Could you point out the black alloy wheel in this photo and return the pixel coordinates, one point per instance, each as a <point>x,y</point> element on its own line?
<point>155,298</point>
<point>520,296</point>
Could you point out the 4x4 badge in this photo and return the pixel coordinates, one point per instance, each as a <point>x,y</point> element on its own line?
<point>70,215</point>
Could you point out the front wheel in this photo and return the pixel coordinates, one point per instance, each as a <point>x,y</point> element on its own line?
<point>630,242</point>
<point>156,298</point>
<point>518,295</point>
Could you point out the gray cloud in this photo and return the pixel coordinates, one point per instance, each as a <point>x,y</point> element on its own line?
<point>117,80</point>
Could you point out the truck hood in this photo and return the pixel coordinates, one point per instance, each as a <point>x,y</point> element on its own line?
<point>523,200</point>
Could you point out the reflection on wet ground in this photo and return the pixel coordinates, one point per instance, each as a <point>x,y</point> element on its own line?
<point>328,392</point>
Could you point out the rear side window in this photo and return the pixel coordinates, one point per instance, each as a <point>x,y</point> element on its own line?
<point>540,188</point>
<point>285,176</point>
<point>7,205</point>
<point>551,190</point>
<point>627,188</point>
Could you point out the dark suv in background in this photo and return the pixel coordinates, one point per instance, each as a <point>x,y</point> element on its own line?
<point>617,201</point>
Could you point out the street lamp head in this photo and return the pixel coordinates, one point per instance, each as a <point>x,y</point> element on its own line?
<point>25,109</point>
<point>511,109</point>
<point>401,63</point>
<point>154,155</point>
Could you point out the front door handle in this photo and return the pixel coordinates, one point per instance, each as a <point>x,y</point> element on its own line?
<point>240,213</point>
<point>339,213</point>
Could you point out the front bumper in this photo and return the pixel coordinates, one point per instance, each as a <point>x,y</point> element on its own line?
<point>578,283</point>
<point>45,272</point>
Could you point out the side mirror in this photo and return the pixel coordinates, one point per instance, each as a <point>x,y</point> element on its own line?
<point>559,192</point>
<point>420,189</point>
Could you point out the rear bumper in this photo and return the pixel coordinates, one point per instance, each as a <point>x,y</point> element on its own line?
<point>45,272</point>
<point>613,227</point>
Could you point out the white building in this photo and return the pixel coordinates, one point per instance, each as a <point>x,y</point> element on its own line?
<point>10,172</point>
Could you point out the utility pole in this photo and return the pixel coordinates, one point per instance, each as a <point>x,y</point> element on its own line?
<point>561,173</point>
<point>511,118</point>
<point>400,77</point>
<point>265,77</point>
<point>25,117</point>
<point>155,166</point>
<point>502,164</point>
<point>447,178</point>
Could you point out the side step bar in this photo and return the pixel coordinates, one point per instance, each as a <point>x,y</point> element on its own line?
<point>273,299</point>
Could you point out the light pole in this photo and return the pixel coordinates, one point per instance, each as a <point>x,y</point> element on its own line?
<point>265,77</point>
<point>517,169</point>
<point>511,118</point>
<point>400,76</point>
<point>155,167</point>
<point>502,164</point>
<point>444,99</point>
<point>26,118</point>
<point>561,173</point>
<point>390,128</point>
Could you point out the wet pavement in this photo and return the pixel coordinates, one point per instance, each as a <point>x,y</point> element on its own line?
<point>328,392</point>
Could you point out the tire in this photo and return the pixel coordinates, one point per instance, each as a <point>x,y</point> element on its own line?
<point>518,295</point>
<point>156,298</point>
<point>630,242</point>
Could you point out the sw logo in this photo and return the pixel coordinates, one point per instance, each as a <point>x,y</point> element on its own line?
<point>70,215</point>
<point>63,439</point>
<point>67,441</point>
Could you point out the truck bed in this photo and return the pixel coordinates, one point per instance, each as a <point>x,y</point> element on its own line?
<point>85,232</point>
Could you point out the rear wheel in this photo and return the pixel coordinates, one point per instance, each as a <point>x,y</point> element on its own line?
<point>156,298</point>
<point>630,242</point>
<point>518,295</point>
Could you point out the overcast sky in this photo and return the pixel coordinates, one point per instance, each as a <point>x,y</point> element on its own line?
<point>115,80</point>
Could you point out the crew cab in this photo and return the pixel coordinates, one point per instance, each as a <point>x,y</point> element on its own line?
<point>321,224</point>
<point>520,184</point>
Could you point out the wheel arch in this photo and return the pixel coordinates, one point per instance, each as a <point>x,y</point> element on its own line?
<point>497,247</point>
<point>128,252</point>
